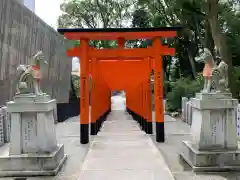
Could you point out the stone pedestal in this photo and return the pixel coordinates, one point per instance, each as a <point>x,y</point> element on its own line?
<point>189,112</point>
<point>1,127</point>
<point>33,145</point>
<point>6,125</point>
<point>214,146</point>
<point>184,110</point>
<point>238,121</point>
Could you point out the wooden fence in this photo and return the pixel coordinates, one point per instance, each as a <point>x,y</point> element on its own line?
<point>22,34</point>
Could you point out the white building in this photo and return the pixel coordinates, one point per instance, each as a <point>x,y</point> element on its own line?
<point>30,4</point>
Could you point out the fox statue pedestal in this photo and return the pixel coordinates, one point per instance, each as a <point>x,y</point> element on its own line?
<point>214,146</point>
<point>33,147</point>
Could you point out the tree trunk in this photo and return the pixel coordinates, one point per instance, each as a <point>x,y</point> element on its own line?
<point>209,42</point>
<point>190,57</point>
<point>220,40</point>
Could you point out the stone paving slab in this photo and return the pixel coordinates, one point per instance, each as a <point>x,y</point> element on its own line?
<point>119,145</point>
<point>121,151</point>
<point>125,137</point>
<point>121,133</point>
<point>120,129</point>
<point>124,175</point>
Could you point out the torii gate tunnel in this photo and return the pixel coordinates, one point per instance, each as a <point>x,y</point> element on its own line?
<point>121,68</point>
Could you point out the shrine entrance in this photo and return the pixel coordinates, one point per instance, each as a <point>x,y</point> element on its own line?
<point>122,68</point>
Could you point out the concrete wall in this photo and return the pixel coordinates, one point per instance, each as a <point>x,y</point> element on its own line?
<point>22,34</point>
<point>20,1</point>
<point>30,4</point>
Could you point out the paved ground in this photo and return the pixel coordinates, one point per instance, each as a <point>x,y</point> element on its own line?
<point>176,132</point>
<point>121,151</point>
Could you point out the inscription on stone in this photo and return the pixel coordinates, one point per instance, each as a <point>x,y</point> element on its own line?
<point>29,133</point>
<point>217,123</point>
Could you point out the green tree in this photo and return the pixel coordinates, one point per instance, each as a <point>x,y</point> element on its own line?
<point>167,13</point>
<point>95,13</point>
<point>215,14</point>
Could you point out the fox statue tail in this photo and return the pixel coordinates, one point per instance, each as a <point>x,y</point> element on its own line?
<point>20,70</point>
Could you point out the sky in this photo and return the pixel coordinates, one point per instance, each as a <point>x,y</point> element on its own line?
<point>49,11</point>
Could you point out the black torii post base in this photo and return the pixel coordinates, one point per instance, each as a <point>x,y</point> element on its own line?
<point>160,134</point>
<point>145,126</point>
<point>84,133</point>
<point>95,127</point>
<point>148,128</point>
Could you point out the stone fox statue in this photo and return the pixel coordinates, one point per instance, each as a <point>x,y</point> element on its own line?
<point>215,76</point>
<point>220,78</point>
<point>30,73</point>
<point>207,58</point>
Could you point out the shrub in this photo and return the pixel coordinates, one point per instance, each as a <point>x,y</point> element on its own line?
<point>76,85</point>
<point>184,87</point>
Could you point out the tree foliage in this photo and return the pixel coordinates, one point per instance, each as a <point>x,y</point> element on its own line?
<point>95,13</point>
<point>206,23</point>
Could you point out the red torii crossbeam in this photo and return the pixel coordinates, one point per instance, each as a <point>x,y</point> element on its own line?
<point>152,53</point>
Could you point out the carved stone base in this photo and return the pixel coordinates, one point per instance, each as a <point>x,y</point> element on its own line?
<point>31,98</point>
<point>213,121</point>
<point>214,96</point>
<point>223,160</point>
<point>32,164</point>
<point>32,125</point>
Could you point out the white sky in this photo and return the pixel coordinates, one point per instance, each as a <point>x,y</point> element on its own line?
<point>48,10</point>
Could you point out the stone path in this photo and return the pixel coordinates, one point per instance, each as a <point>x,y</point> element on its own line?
<point>121,151</point>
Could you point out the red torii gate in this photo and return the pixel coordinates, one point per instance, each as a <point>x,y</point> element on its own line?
<point>90,56</point>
